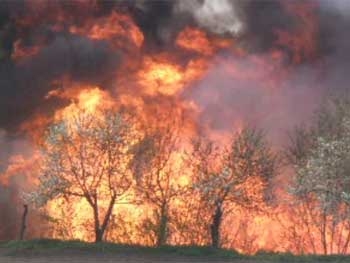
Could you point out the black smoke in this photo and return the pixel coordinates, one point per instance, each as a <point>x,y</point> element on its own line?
<point>24,85</point>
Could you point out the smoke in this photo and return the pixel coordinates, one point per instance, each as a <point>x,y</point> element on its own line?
<point>162,20</point>
<point>216,16</point>
<point>252,23</point>
<point>12,155</point>
<point>4,191</point>
<point>25,85</point>
<point>254,95</point>
<point>341,7</point>
<point>335,43</point>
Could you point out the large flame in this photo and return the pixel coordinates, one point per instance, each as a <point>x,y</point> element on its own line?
<point>156,84</point>
<point>118,28</point>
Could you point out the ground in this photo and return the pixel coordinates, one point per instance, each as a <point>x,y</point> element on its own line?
<point>78,256</point>
<point>55,251</point>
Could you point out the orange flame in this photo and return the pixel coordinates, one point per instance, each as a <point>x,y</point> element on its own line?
<point>118,28</point>
<point>154,84</point>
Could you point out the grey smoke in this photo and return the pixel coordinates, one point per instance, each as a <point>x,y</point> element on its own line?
<point>9,190</point>
<point>24,85</point>
<point>228,100</point>
<point>216,16</point>
<point>222,96</point>
<point>342,7</point>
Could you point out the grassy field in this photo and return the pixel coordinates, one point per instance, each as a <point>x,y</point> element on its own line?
<point>47,247</point>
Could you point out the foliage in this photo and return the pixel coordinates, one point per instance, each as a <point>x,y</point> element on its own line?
<point>238,175</point>
<point>320,155</point>
<point>248,157</point>
<point>324,172</point>
<point>87,157</point>
<point>156,175</point>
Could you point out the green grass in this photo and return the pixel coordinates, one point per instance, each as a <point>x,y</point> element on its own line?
<point>53,244</point>
<point>38,245</point>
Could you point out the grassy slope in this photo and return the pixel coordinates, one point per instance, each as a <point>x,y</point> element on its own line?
<point>207,252</point>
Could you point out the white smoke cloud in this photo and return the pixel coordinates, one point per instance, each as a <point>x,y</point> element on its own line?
<point>342,7</point>
<point>217,16</point>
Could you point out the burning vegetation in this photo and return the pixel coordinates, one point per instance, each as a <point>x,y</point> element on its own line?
<point>166,122</point>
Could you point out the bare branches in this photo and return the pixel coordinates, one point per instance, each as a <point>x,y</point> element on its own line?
<point>222,175</point>
<point>88,156</point>
<point>156,178</point>
<point>237,175</point>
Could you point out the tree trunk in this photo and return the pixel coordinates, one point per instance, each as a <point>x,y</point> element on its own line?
<point>324,233</point>
<point>346,245</point>
<point>215,226</point>
<point>101,229</point>
<point>23,222</point>
<point>98,235</point>
<point>162,228</point>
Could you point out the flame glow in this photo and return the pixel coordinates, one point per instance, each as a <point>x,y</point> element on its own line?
<point>155,84</point>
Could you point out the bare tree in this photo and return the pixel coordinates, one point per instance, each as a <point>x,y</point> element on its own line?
<point>309,229</point>
<point>23,222</point>
<point>156,178</point>
<point>87,157</point>
<point>239,175</point>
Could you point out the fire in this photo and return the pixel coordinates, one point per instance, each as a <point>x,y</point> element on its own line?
<point>161,75</point>
<point>302,41</point>
<point>161,78</point>
<point>118,28</point>
<point>22,52</point>
<point>154,83</point>
<point>82,97</point>
<point>78,212</point>
<point>88,99</point>
<point>195,40</point>
<point>20,165</point>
